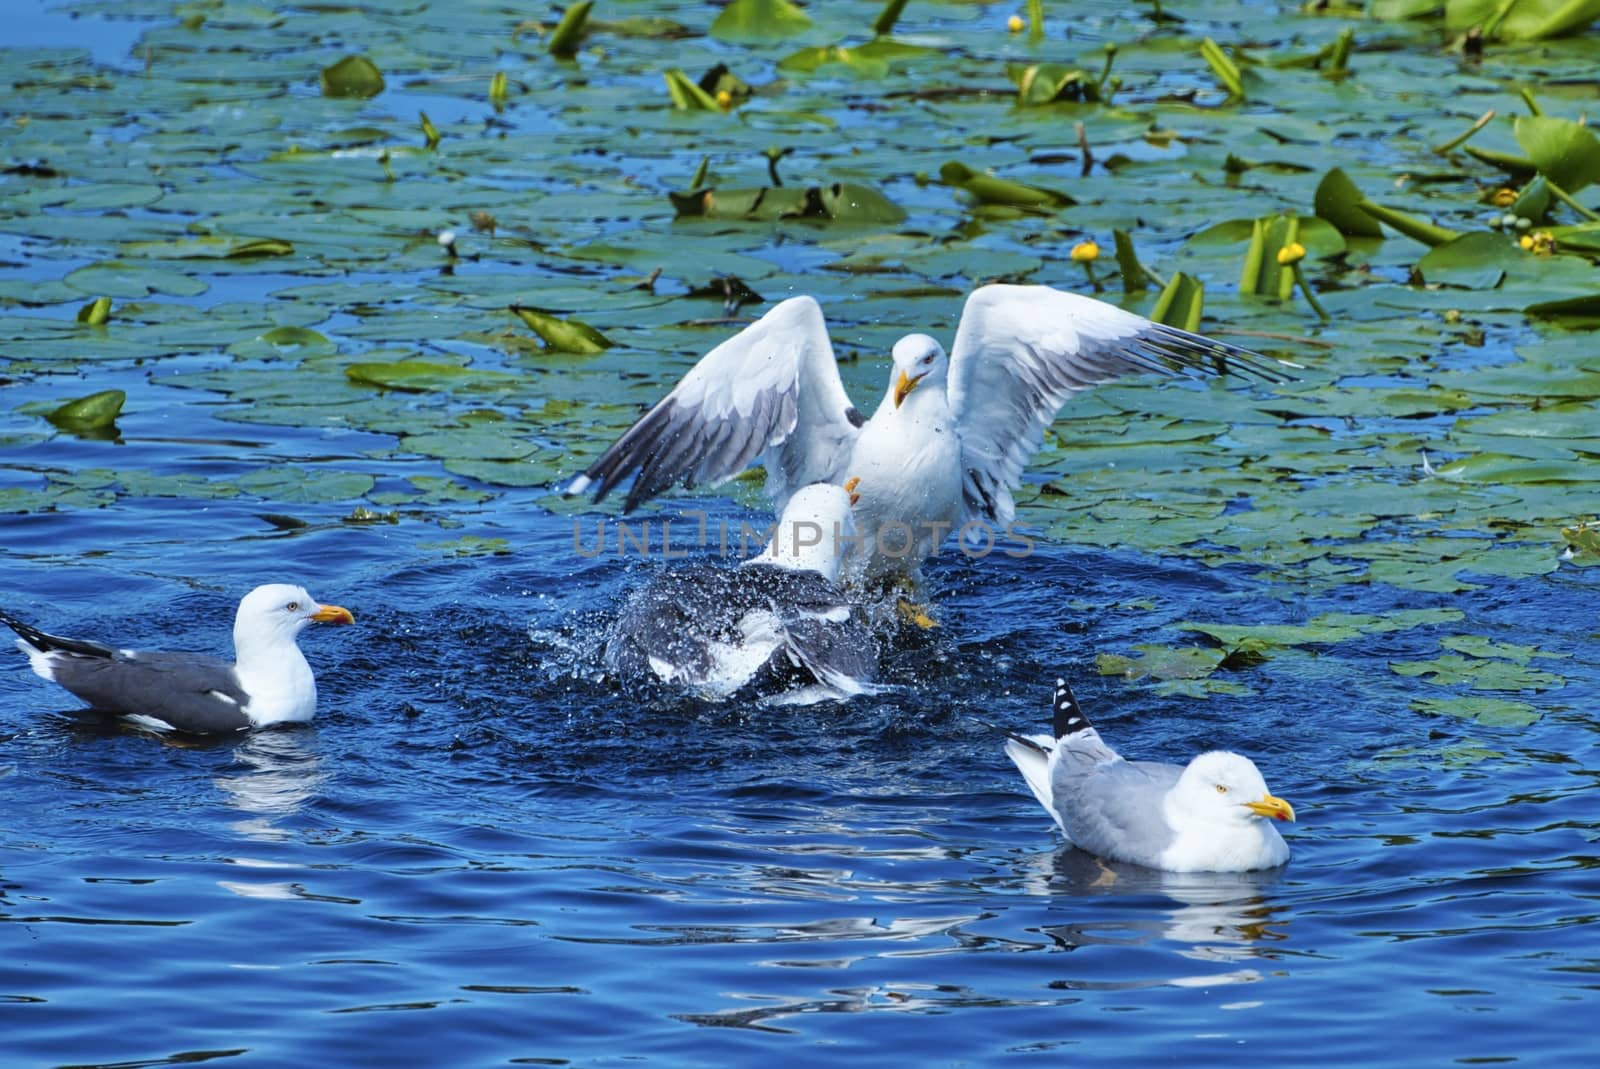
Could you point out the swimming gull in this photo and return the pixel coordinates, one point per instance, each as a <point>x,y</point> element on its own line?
<point>947,444</point>
<point>776,621</point>
<point>269,683</point>
<point>1211,815</point>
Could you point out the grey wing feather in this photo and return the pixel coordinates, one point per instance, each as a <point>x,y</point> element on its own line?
<point>191,692</point>
<point>771,392</point>
<point>1113,808</point>
<point>827,634</point>
<point>1021,351</point>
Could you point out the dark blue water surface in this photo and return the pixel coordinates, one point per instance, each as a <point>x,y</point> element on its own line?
<point>483,853</point>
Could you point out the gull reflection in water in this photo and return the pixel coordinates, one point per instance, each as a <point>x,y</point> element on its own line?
<point>1228,918</point>
<point>275,774</point>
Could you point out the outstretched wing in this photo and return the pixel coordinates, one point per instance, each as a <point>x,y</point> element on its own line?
<point>1021,351</point>
<point>771,391</point>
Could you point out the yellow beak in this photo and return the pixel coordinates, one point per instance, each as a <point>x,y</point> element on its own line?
<point>905,386</point>
<point>332,614</point>
<point>1270,806</point>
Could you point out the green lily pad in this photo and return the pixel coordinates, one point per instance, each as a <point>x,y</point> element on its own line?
<point>759,21</point>
<point>299,485</point>
<point>420,376</point>
<point>987,189</point>
<point>213,247</point>
<point>562,335</point>
<point>352,76</point>
<point>1479,674</point>
<point>96,411</point>
<point>874,59</point>
<point>1490,712</point>
<point>1565,152</point>
<point>1161,662</point>
<point>1478,260</point>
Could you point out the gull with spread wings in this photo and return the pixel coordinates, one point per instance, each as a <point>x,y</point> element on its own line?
<point>947,444</point>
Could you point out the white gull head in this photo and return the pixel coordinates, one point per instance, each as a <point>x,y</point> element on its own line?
<point>1221,808</point>
<point>816,528</point>
<point>919,363</point>
<point>269,665</point>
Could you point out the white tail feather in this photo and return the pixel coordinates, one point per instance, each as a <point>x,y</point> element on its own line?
<point>1035,769</point>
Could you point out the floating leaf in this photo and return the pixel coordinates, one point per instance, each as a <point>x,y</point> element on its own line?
<point>1162,662</point>
<point>299,485</point>
<point>352,76</point>
<point>562,335</point>
<point>1479,674</point>
<point>1478,260</point>
<point>94,412</point>
<point>875,59</point>
<point>420,376</point>
<point>211,247</point>
<point>845,202</point>
<point>430,132</point>
<point>758,21</point>
<point>1490,712</point>
<point>987,189</point>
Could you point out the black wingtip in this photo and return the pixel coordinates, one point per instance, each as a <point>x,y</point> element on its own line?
<point>1029,743</point>
<point>1068,718</point>
<point>28,633</point>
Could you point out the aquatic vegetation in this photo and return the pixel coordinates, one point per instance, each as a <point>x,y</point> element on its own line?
<point>267,252</point>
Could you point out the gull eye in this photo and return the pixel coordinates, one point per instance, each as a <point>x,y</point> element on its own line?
<point>928,359</point>
<point>293,606</point>
<point>1221,789</point>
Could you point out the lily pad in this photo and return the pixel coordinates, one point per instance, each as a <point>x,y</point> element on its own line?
<point>352,76</point>
<point>94,412</point>
<point>420,376</point>
<point>562,335</point>
<point>1489,712</point>
<point>299,485</point>
<point>759,21</point>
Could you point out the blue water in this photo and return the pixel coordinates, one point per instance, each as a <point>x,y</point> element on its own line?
<point>482,853</point>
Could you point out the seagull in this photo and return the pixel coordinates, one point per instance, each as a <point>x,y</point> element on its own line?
<point>269,683</point>
<point>1210,815</point>
<point>947,444</point>
<point>775,620</point>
